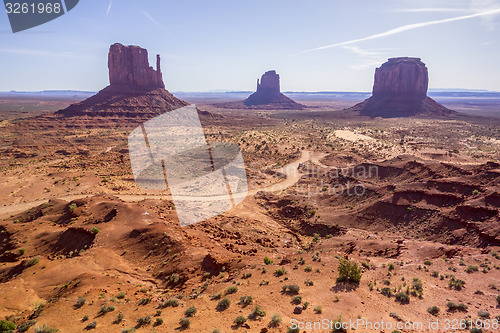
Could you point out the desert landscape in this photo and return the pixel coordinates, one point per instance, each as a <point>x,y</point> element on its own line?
<point>361,215</point>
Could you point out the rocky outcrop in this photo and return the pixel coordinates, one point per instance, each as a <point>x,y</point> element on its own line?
<point>136,92</point>
<point>268,94</point>
<point>129,67</point>
<point>400,90</point>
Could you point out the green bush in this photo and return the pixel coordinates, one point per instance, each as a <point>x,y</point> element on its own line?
<point>293,330</point>
<point>191,311</point>
<point>498,299</point>
<point>121,295</point>
<point>231,290</point>
<point>33,261</point>
<point>427,262</point>
<point>146,320</point>
<point>267,261</point>
<point>128,330</point>
<point>7,326</point>
<point>184,322</point>
<point>80,302</point>
<point>257,312</point>
<point>433,310</point>
<point>318,309</point>
<point>91,325</point>
<point>349,271</point>
<point>174,302</point>
<point>280,272</point>
<point>24,327</point>
<point>471,269</point>
<point>158,322</point>
<point>455,283</point>
<point>223,304</point>
<point>22,251</point>
<point>240,320</point>
<point>119,318</point>
<point>297,300</point>
<point>45,329</point>
<point>95,230</point>
<point>246,300</point>
<point>275,320</point>
<point>454,307</point>
<point>386,291</point>
<point>402,298</point>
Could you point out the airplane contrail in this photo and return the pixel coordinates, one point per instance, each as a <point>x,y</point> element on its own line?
<point>109,7</point>
<point>406,28</point>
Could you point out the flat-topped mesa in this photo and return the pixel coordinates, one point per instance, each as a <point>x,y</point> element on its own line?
<point>401,76</point>
<point>400,90</point>
<point>129,67</point>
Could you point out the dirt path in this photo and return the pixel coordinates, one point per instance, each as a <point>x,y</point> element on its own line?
<point>290,170</point>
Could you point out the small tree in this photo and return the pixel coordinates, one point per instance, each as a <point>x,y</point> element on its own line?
<point>349,271</point>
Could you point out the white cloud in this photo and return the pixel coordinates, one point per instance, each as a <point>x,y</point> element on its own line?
<point>367,58</point>
<point>109,7</point>
<point>487,13</point>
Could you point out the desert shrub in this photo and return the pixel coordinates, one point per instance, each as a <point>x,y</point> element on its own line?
<point>146,320</point>
<point>483,314</point>
<point>275,320</point>
<point>290,289</point>
<point>173,302</point>
<point>386,291</point>
<point>240,320</point>
<point>7,326</point>
<point>435,274</point>
<point>128,330</point>
<point>455,283</point>
<point>121,295</point>
<point>433,310</point>
<point>118,319</point>
<point>91,325</point>
<point>216,296</point>
<point>267,261</point>
<point>80,302</point>
<point>476,330</point>
<point>216,330</point>
<point>45,329</point>
<point>297,299</point>
<point>105,309</point>
<point>144,301</point>
<point>293,330</point>
<point>191,311</point>
<point>349,271</point>
<point>158,321</point>
<point>318,309</point>
<point>95,230</point>
<point>454,307</point>
<point>246,300</point>
<point>184,322</point>
<point>22,251</point>
<point>308,283</point>
<point>337,325</point>
<point>24,327</point>
<point>498,299</point>
<point>246,275</point>
<point>231,290</point>
<point>280,272</point>
<point>427,262</point>
<point>391,267</point>
<point>33,261</point>
<point>308,268</point>
<point>85,318</point>
<point>471,269</point>
<point>402,298</point>
<point>174,279</point>
<point>223,304</point>
<point>257,312</point>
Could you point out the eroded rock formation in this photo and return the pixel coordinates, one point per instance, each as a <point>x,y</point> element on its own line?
<point>268,94</point>
<point>400,90</point>
<point>136,91</point>
<point>129,66</point>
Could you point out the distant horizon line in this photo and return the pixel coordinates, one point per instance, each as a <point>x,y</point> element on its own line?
<point>243,91</point>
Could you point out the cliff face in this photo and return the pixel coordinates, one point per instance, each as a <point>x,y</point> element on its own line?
<point>129,66</point>
<point>400,90</point>
<point>268,94</point>
<point>401,76</point>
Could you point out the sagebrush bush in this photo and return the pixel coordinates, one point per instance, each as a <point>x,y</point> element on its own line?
<point>223,304</point>
<point>349,271</point>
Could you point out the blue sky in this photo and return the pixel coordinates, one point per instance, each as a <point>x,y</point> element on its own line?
<point>315,45</point>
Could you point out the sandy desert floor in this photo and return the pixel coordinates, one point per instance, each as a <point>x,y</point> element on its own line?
<point>412,205</point>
